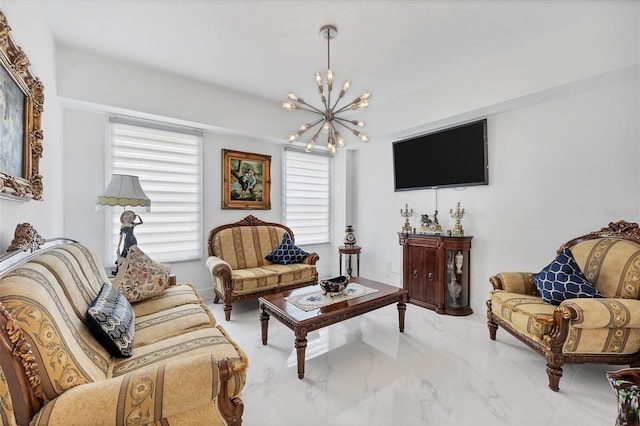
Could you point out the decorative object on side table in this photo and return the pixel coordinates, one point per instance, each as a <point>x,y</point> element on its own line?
<point>626,384</point>
<point>125,190</point>
<point>430,225</point>
<point>349,236</point>
<point>457,215</point>
<point>455,288</point>
<point>334,286</point>
<point>406,228</point>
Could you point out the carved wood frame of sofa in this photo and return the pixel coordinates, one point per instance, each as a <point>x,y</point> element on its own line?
<point>599,330</point>
<point>238,266</point>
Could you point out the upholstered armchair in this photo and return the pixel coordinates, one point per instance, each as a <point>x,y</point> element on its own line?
<point>599,319</point>
<point>251,258</point>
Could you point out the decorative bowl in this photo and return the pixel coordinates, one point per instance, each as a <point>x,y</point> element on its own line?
<point>333,286</point>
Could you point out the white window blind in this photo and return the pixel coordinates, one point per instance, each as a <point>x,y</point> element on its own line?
<point>168,163</point>
<point>306,197</point>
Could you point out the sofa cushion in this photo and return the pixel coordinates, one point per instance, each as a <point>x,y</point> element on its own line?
<point>528,315</point>
<point>170,322</point>
<point>177,295</point>
<point>612,265</point>
<point>253,279</point>
<point>111,320</point>
<point>139,277</point>
<point>209,340</point>
<point>562,279</point>
<point>287,252</point>
<point>292,274</point>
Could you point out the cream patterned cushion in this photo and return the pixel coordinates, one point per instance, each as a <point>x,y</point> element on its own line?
<point>140,278</point>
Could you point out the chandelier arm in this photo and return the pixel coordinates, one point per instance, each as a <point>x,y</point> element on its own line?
<point>336,103</point>
<point>340,119</point>
<point>344,108</point>
<point>347,106</point>
<point>311,126</point>
<point>313,109</point>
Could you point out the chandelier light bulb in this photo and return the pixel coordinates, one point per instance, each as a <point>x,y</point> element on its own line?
<point>329,112</point>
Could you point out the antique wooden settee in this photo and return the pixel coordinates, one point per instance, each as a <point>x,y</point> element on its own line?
<point>603,328</point>
<point>238,266</point>
<point>183,368</point>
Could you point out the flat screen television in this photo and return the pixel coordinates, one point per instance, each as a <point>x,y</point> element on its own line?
<point>455,156</point>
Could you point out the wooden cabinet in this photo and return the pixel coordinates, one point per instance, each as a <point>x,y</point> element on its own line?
<point>435,271</point>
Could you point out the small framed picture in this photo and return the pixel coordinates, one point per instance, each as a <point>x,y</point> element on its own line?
<point>246,180</point>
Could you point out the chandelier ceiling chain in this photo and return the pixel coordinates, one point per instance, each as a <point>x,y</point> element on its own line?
<point>329,119</point>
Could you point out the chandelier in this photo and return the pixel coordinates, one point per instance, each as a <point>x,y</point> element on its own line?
<point>329,119</point>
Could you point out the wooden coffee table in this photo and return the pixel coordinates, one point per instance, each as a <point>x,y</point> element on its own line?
<point>302,322</point>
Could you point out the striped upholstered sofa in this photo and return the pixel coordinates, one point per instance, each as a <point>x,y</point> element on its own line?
<point>601,325</point>
<point>238,266</point>
<point>183,370</point>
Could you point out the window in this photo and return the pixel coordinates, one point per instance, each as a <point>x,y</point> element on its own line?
<point>168,161</point>
<point>306,199</point>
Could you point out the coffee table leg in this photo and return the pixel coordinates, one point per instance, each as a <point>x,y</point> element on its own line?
<point>402,307</point>
<point>264,321</point>
<point>301,346</point>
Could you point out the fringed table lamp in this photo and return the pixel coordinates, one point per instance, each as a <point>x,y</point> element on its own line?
<point>125,190</point>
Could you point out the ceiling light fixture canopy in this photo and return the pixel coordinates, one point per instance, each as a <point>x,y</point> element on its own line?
<point>329,114</point>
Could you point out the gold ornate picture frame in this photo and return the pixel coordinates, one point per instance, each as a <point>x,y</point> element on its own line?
<point>21,107</point>
<point>246,180</point>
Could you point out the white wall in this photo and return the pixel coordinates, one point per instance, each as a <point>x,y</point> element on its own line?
<point>84,141</point>
<point>33,36</point>
<point>558,169</point>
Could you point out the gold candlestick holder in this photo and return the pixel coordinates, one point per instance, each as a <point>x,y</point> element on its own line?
<point>406,228</point>
<point>457,215</point>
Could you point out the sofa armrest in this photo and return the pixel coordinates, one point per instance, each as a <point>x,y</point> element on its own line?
<point>146,395</point>
<point>602,312</point>
<point>220,273</point>
<point>515,282</point>
<point>312,259</point>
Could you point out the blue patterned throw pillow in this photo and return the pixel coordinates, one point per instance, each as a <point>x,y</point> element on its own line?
<point>111,320</point>
<point>562,279</point>
<point>287,252</point>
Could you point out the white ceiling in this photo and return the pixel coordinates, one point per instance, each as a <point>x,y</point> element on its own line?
<point>270,47</point>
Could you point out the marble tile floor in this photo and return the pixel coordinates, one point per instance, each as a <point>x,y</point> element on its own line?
<point>442,370</point>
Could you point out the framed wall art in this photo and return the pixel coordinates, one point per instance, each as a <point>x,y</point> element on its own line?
<point>246,180</point>
<point>21,106</point>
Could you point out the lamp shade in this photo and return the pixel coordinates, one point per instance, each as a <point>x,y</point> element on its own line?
<point>124,190</point>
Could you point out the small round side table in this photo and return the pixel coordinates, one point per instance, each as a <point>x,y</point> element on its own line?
<point>349,251</point>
